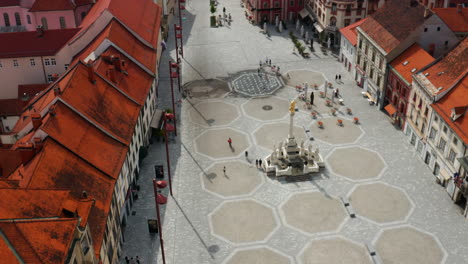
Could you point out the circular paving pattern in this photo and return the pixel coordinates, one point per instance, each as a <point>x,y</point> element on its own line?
<point>250,83</point>
<point>407,245</point>
<point>258,256</point>
<point>335,251</point>
<point>243,221</point>
<point>271,134</point>
<point>269,108</point>
<point>213,113</point>
<point>240,178</point>
<point>380,202</point>
<point>335,134</point>
<point>313,212</point>
<point>355,163</point>
<point>214,143</point>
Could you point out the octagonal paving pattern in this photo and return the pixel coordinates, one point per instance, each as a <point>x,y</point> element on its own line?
<point>250,83</point>
<point>356,163</point>
<point>313,212</point>
<point>335,251</point>
<point>214,143</point>
<point>213,113</point>
<point>380,203</point>
<point>271,134</point>
<point>335,134</point>
<point>406,245</point>
<point>257,256</point>
<point>240,178</point>
<point>243,221</point>
<point>269,108</point>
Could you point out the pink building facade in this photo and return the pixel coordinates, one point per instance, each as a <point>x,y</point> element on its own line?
<point>26,15</point>
<point>262,11</point>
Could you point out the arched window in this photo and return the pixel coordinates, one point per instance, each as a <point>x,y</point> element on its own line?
<point>44,23</point>
<point>18,19</point>
<point>7,19</point>
<point>333,21</point>
<point>62,22</point>
<point>83,14</point>
<point>28,17</point>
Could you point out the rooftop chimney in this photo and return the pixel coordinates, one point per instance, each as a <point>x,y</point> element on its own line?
<point>52,110</point>
<point>459,8</point>
<point>38,143</point>
<point>427,12</point>
<point>27,152</point>
<point>91,74</point>
<point>39,31</point>
<point>84,195</point>
<point>36,120</point>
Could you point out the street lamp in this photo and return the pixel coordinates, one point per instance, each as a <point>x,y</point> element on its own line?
<point>168,128</point>
<point>177,67</point>
<point>159,199</point>
<point>178,35</point>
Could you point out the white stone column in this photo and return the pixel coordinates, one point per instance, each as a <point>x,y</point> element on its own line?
<point>291,124</point>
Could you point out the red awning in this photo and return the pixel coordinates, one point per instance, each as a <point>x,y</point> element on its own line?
<point>390,109</point>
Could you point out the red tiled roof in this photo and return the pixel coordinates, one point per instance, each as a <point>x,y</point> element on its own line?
<point>30,90</point>
<point>457,97</point>
<point>52,5</point>
<point>6,252</point>
<point>5,3</point>
<point>9,161</point>
<point>450,68</point>
<point>120,36</point>
<point>85,140</point>
<point>28,44</point>
<point>456,21</point>
<point>387,31</point>
<point>143,17</point>
<point>10,107</point>
<point>410,61</point>
<point>350,32</point>
<point>61,169</point>
<point>38,241</point>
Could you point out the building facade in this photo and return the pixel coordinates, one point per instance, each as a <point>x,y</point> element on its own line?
<point>262,11</point>
<point>348,46</point>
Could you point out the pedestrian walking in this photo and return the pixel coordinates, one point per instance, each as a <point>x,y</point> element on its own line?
<point>224,170</point>
<point>269,62</point>
<point>260,63</point>
<point>246,154</point>
<point>339,77</point>
<point>224,9</point>
<point>127,260</point>
<point>260,163</point>
<point>312,98</point>
<point>336,77</point>
<point>256,163</point>
<point>230,142</point>
<point>258,71</point>
<point>137,260</point>
<point>278,69</point>
<point>337,93</point>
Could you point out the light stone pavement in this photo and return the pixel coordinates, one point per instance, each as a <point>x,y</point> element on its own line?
<point>433,231</point>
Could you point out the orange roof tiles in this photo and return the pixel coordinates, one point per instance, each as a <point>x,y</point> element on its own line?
<point>455,20</point>
<point>9,161</point>
<point>10,107</point>
<point>389,32</point>
<point>39,241</point>
<point>59,168</point>
<point>6,253</point>
<point>350,32</point>
<point>450,68</point>
<point>101,103</point>
<point>28,44</point>
<point>457,97</point>
<point>142,16</point>
<point>410,61</point>
<point>85,140</point>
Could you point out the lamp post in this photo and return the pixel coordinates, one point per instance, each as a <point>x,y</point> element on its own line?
<point>178,35</point>
<point>176,66</point>
<point>159,199</point>
<point>168,128</point>
<point>173,75</point>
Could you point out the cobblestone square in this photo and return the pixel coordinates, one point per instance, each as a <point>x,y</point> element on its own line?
<point>214,219</point>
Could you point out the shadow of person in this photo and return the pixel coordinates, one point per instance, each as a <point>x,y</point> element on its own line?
<point>232,149</point>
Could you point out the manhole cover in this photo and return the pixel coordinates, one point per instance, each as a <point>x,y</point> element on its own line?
<point>267,107</point>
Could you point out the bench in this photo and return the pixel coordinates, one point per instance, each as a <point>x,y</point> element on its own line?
<point>375,257</point>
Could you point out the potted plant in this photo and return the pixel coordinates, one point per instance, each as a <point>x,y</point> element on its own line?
<point>315,86</point>
<point>356,120</point>
<point>333,111</point>
<point>320,124</point>
<point>314,114</point>
<point>328,103</point>
<point>322,94</point>
<point>349,111</point>
<point>340,122</point>
<point>213,17</point>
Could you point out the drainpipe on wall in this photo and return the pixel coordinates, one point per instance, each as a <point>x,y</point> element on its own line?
<point>43,69</point>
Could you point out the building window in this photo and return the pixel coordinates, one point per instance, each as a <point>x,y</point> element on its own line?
<point>15,63</point>
<point>28,18</point>
<point>348,10</point>
<point>265,4</point>
<point>423,127</point>
<point>455,141</point>
<point>7,19</point>
<point>436,119</point>
<point>446,43</point>
<point>425,29</point>
<point>277,4</point>
<point>53,62</point>
<point>1,65</point>
<point>334,7</point>
<point>33,62</point>
<point>452,156</point>
<point>333,21</point>
<point>441,145</point>
<point>291,3</point>
<point>46,62</point>
<point>378,80</point>
<point>371,75</point>
<point>62,22</point>
<point>360,43</point>
<point>44,23</point>
<point>347,22</point>
<point>438,28</point>
<point>66,66</point>
<point>433,133</point>
<point>445,130</point>
<point>413,139</point>
<point>18,19</point>
<point>49,78</point>
<point>373,56</point>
